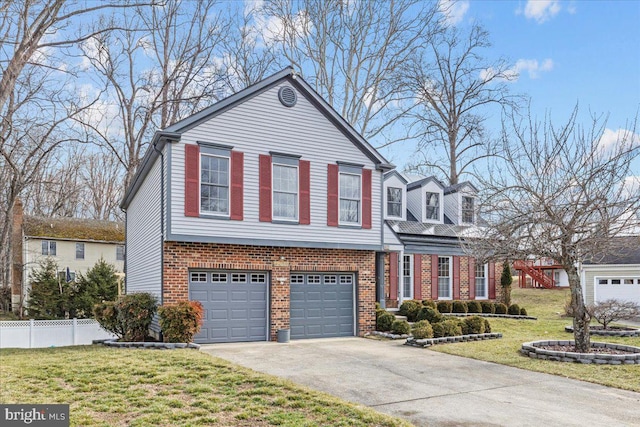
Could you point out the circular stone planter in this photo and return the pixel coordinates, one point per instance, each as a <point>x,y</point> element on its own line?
<point>630,357</point>
<point>619,332</point>
<point>147,345</point>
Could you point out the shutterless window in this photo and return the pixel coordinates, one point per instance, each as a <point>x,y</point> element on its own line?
<point>467,209</point>
<point>444,277</point>
<point>214,184</point>
<point>120,253</point>
<point>432,206</point>
<point>285,192</point>
<point>394,201</point>
<point>481,280</point>
<point>79,250</point>
<point>350,195</point>
<point>48,248</point>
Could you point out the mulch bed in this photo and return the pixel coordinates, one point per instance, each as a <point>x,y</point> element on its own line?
<point>594,350</point>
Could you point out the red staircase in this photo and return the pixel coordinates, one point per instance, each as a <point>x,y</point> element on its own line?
<point>537,276</point>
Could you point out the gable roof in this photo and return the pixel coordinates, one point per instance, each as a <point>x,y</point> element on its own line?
<point>423,181</point>
<point>625,250</point>
<point>174,132</point>
<point>459,186</point>
<point>73,229</point>
<point>395,173</point>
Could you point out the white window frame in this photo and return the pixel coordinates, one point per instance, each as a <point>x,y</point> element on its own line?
<point>340,222</point>
<point>395,203</point>
<point>50,244</point>
<point>463,210</point>
<point>485,268</point>
<point>80,245</point>
<point>438,206</point>
<point>205,212</point>
<point>297,193</point>
<point>407,278</point>
<point>450,297</point>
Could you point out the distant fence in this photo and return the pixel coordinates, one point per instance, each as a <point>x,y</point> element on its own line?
<point>50,333</point>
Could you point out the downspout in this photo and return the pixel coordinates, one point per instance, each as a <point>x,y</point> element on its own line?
<point>380,296</point>
<point>162,201</point>
<point>124,266</point>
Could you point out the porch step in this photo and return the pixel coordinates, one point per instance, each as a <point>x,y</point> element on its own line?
<point>398,317</point>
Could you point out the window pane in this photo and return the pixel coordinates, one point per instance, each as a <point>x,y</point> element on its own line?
<point>45,247</point>
<point>120,253</point>
<point>285,205</point>
<point>443,278</point>
<point>349,210</point>
<point>214,184</point>
<point>285,178</point>
<point>52,248</point>
<point>285,192</point>
<point>394,201</point>
<point>433,206</point>
<point>467,209</point>
<point>79,250</point>
<point>350,186</point>
<point>214,170</point>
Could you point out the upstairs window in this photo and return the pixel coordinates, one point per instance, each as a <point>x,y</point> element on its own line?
<point>394,202</point>
<point>48,248</point>
<point>214,184</point>
<point>79,250</point>
<point>285,192</point>
<point>350,198</point>
<point>119,253</point>
<point>467,209</point>
<point>432,208</point>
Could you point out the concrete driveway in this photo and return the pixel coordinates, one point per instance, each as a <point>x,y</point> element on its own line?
<point>435,389</point>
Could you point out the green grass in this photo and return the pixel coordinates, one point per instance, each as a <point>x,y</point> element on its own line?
<point>548,307</point>
<point>125,387</point>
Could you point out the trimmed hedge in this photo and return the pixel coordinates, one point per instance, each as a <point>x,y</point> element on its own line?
<point>487,326</point>
<point>384,320</point>
<point>180,322</point>
<point>488,307</point>
<point>445,306</point>
<point>447,328</point>
<point>400,327</point>
<point>474,307</point>
<point>410,309</point>
<point>129,317</point>
<point>429,314</point>
<point>523,311</point>
<point>500,308</point>
<point>514,310</point>
<point>473,325</point>
<point>459,307</point>
<point>430,303</point>
<point>422,329</point>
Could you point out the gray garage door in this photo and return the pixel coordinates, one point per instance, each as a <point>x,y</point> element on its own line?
<point>234,302</point>
<point>322,305</point>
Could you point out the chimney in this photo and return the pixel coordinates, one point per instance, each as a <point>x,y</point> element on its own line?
<point>16,254</point>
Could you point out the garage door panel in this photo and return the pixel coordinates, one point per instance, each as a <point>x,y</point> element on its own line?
<point>218,314</point>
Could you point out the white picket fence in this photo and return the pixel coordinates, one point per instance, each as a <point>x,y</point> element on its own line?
<point>50,333</point>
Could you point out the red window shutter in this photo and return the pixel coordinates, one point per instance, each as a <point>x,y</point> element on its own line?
<point>434,277</point>
<point>237,182</point>
<point>366,198</point>
<point>332,195</point>
<point>417,276</point>
<point>472,278</point>
<point>456,277</point>
<point>265,187</point>
<point>393,275</point>
<point>304,169</point>
<point>492,280</point>
<point>191,180</point>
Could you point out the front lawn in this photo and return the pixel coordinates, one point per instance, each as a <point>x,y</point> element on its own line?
<point>548,306</point>
<point>126,387</point>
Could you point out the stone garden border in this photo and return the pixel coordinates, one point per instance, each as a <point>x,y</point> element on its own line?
<point>503,316</point>
<point>531,349</point>
<point>631,332</point>
<point>427,342</point>
<point>390,335</point>
<point>147,345</point>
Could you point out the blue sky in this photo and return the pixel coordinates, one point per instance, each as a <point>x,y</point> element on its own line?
<point>567,52</point>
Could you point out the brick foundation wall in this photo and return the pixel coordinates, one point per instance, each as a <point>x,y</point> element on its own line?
<point>280,263</point>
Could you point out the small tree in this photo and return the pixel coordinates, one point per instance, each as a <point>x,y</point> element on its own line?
<point>613,310</point>
<point>99,284</point>
<point>506,280</point>
<point>49,296</point>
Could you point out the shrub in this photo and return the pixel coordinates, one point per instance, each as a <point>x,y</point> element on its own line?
<point>500,308</point>
<point>613,310</point>
<point>98,284</point>
<point>487,326</point>
<point>429,314</point>
<point>514,310</point>
<point>384,321</point>
<point>400,327</point>
<point>459,307</point>
<point>49,297</point>
<point>488,307</point>
<point>422,329</point>
<point>410,309</point>
<point>523,311</point>
<point>473,325</point>
<point>430,303</point>
<point>447,328</point>
<point>180,322</point>
<point>474,307</point>
<point>129,317</point>
<point>505,281</point>
<point>444,306</point>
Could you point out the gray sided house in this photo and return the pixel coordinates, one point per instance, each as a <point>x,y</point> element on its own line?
<point>267,208</point>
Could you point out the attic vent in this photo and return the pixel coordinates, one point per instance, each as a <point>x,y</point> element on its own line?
<point>287,96</point>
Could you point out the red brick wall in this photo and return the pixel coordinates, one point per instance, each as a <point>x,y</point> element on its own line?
<point>280,262</point>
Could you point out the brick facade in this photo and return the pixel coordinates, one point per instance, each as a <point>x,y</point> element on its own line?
<point>280,262</point>
<point>426,268</point>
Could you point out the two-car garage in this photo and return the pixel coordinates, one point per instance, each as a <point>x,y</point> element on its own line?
<point>236,305</point>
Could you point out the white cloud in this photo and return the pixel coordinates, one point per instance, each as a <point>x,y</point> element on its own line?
<point>453,11</point>
<point>541,10</point>
<point>531,66</point>
<point>610,138</point>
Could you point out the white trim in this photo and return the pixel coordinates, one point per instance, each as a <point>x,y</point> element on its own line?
<point>386,202</point>
<point>450,297</point>
<point>297,207</point>
<point>359,201</point>
<point>486,282</point>
<point>200,210</point>
<point>440,218</point>
<point>404,297</point>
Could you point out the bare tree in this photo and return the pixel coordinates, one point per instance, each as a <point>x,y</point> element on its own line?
<point>613,310</point>
<point>559,193</point>
<point>456,87</point>
<point>351,52</point>
<point>101,179</point>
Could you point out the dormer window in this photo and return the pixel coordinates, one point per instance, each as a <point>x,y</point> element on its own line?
<point>432,208</point>
<point>467,209</point>
<point>394,202</point>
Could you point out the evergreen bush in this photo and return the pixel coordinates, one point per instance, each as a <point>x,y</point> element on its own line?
<point>444,306</point>
<point>473,325</point>
<point>400,327</point>
<point>429,314</point>
<point>180,322</point>
<point>474,307</point>
<point>447,328</point>
<point>459,307</point>
<point>422,330</point>
<point>514,310</point>
<point>523,311</point>
<point>488,307</point>
<point>384,321</point>
<point>500,308</point>
<point>430,303</point>
<point>410,309</point>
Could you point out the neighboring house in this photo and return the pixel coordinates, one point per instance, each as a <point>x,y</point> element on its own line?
<point>265,207</point>
<point>424,257</point>
<point>72,243</point>
<point>541,273</point>
<point>615,276</point>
